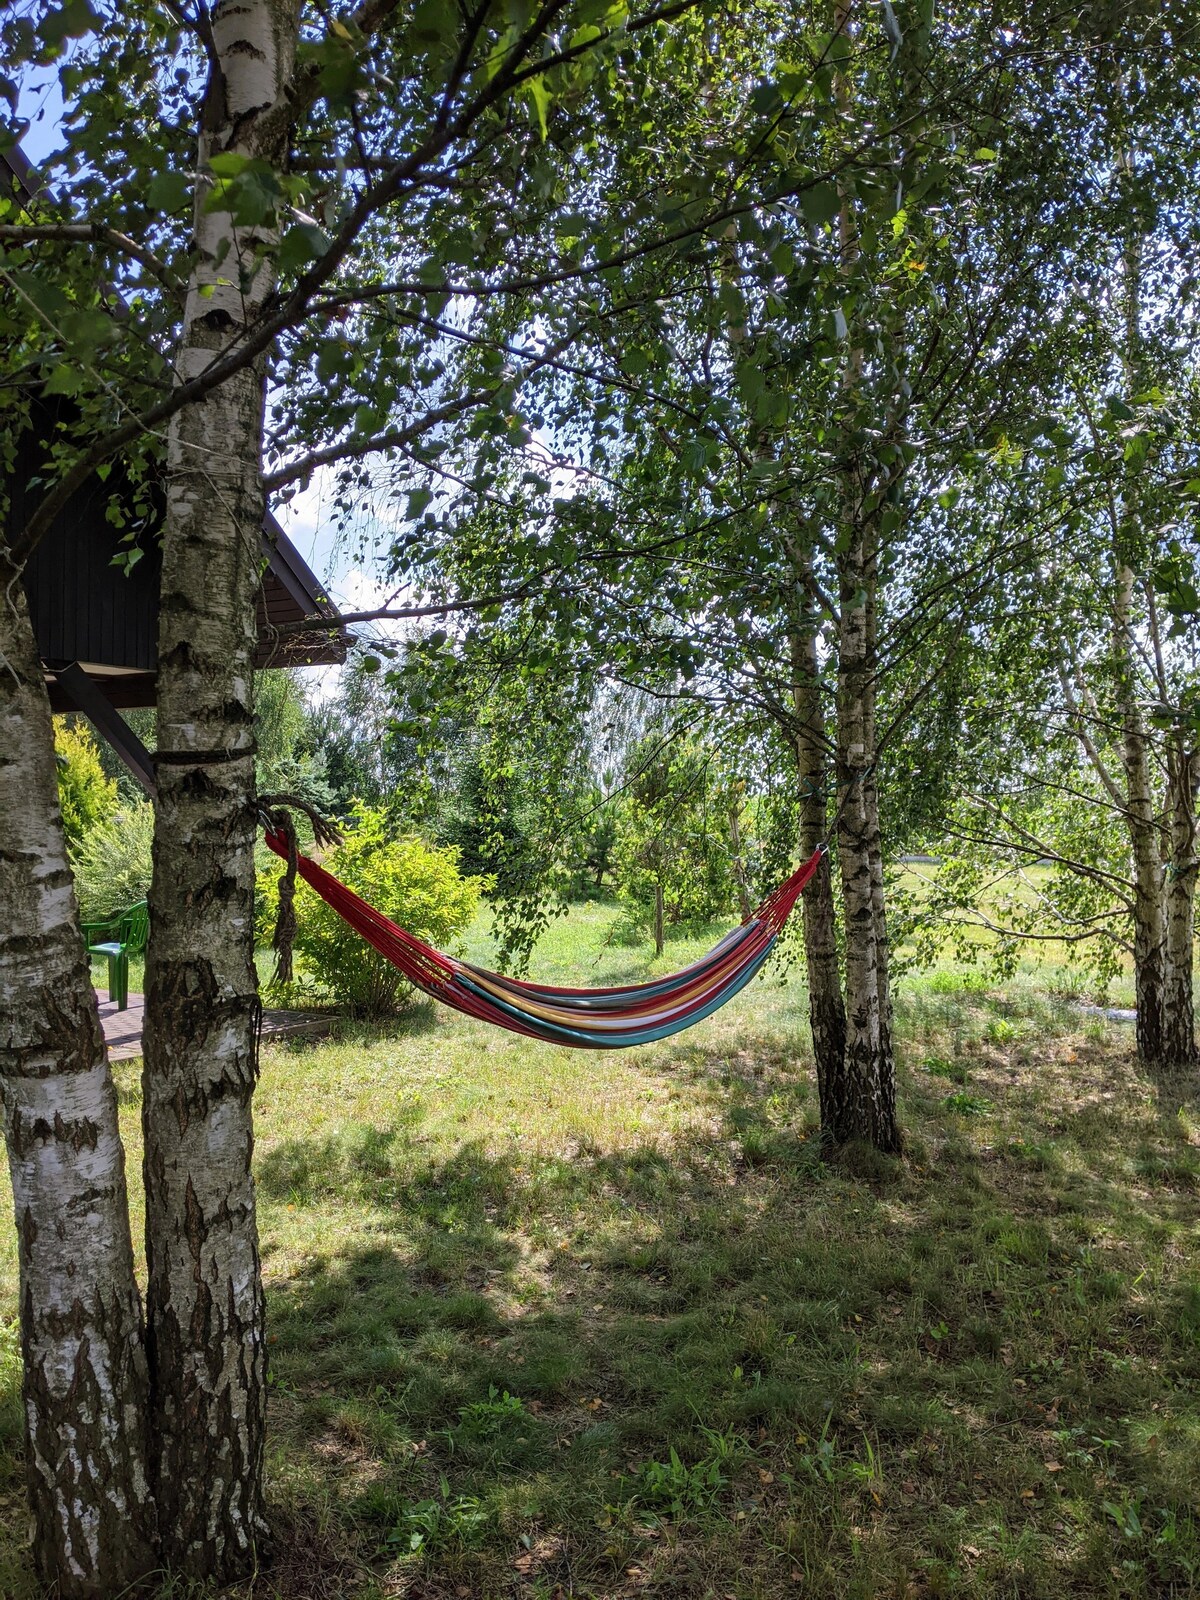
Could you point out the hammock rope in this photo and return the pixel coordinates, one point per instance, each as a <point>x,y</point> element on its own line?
<point>588,1019</point>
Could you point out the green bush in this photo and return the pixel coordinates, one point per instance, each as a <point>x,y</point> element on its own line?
<point>86,797</point>
<point>112,866</point>
<point>413,883</point>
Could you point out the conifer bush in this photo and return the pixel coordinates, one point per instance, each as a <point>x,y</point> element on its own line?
<point>86,796</point>
<point>112,865</point>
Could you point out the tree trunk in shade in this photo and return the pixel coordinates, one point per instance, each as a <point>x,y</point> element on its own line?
<point>826,1007</point>
<point>1179,1011</point>
<point>745,904</point>
<point>862,1097</point>
<point>86,1391</point>
<point>206,1336</point>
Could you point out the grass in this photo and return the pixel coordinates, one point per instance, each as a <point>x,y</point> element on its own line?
<point>549,1324</point>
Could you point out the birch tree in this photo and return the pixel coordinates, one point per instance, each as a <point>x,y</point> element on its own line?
<point>86,1383</point>
<point>205,1326</point>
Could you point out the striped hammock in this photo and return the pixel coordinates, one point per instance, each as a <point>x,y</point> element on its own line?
<point>588,1019</point>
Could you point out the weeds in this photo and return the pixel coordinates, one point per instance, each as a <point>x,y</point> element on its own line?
<point>681,1491</point>
<point>447,1523</point>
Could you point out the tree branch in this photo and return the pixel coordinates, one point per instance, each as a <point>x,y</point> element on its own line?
<point>94,233</point>
<point>405,613</point>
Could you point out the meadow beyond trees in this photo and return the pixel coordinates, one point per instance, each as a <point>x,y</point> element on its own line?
<point>774,432</point>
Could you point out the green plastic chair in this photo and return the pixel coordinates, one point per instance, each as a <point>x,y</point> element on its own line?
<point>130,930</point>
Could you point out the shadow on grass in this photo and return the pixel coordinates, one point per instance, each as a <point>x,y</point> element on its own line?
<point>723,1367</point>
<point>978,1372</point>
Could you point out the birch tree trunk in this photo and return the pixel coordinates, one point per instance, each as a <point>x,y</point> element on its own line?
<point>1146,842</point>
<point>1149,915</point>
<point>875,836</point>
<point>745,904</point>
<point>862,1095</point>
<point>86,1390</point>
<point>1179,1014</point>
<point>205,1317</point>
<point>826,1008</point>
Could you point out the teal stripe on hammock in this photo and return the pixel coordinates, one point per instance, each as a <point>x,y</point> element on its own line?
<point>641,991</point>
<point>553,1033</point>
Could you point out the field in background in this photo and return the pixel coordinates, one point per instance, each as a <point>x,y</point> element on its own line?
<point>550,1324</point>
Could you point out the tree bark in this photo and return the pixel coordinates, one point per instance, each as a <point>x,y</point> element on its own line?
<point>86,1389</point>
<point>826,1007</point>
<point>660,937</point>
<point>206,1336</point>
<point>745,904</point>
<point>875,830</point>
<point>1178,1011</point>
<point>1149,915</point>
<point>862,1094</point>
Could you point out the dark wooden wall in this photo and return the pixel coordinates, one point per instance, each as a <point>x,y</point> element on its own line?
<point>83,608</point>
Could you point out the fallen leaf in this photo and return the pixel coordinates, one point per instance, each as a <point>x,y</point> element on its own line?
<point>1054,1466</point>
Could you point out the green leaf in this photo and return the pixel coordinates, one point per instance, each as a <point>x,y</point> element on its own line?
<point>435,22</point>
<point>819,203</point>
<point>63,379</point>
<point>250,195</point>
<point>539,97</point>
<point>169,192</point>
<point>229,163</point>
<point>68,21</point>
<point>302,243</point>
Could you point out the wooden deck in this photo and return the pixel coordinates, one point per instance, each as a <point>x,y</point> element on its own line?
<point>123,1029</point>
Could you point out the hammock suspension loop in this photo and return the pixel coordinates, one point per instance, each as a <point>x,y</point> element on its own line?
<point>275,813</point>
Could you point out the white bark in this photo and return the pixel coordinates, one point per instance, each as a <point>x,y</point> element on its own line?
<point>85,1379</point>
<point>205,1304</point>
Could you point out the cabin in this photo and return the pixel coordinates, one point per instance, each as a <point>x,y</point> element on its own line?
<point>96,620</point>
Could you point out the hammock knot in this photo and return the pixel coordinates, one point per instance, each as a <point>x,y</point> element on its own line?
<point>275,813</point>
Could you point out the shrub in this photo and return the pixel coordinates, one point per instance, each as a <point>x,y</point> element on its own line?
<point>112,867</point>
<point>86,797</point>
<point>413,883</point>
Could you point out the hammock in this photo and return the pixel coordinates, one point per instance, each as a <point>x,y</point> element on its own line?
<point>590,1019</point>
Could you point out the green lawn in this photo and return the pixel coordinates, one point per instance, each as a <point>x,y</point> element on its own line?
<point>550,1324</point>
